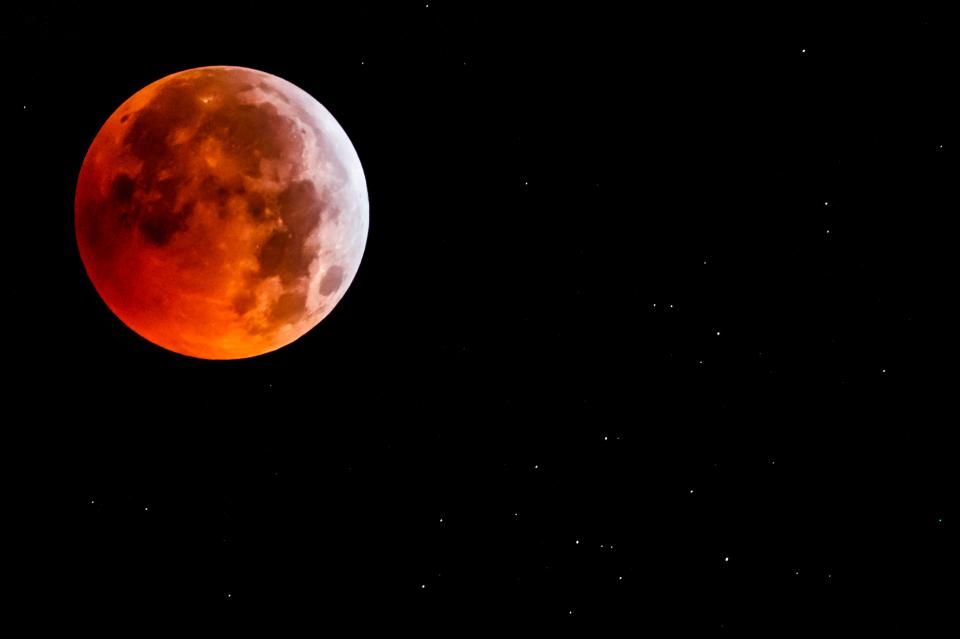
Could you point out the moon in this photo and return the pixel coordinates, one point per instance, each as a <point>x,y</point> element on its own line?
<point>221,212</point>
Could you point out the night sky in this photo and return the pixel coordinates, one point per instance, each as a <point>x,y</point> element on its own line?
<point>653,329</point>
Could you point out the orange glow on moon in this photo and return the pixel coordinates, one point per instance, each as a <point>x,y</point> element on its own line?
<point>221,212</point>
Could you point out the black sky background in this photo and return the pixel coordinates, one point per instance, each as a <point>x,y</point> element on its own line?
<point>654,327</point>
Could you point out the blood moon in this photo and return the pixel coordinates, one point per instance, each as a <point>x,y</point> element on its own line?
<point>221,212</point>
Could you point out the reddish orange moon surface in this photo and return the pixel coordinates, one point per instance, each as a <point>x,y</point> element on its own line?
<point>221,212</point>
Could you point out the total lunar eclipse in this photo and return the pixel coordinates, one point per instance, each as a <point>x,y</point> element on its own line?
<point>221,212</point>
